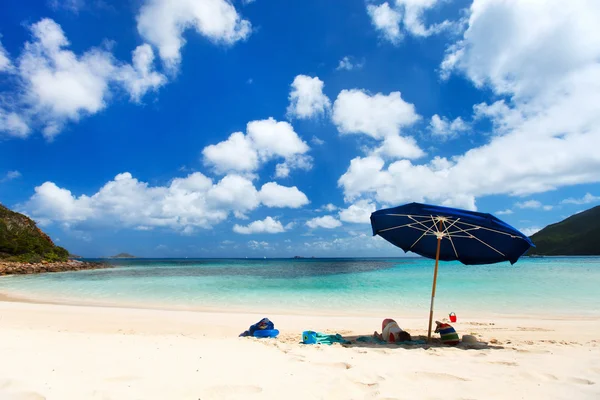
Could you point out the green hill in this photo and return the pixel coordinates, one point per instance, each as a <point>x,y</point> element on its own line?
<point>578,235</point>
<point>21,240</point>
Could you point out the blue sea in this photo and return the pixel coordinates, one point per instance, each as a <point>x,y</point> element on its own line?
<point>549,285</point>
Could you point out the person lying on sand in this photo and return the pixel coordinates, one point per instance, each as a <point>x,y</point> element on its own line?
<point>391,332</point>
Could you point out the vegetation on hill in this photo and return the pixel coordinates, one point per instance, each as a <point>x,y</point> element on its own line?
<point>578,235</point>
<point>22,241</point>
<point>123,255</point>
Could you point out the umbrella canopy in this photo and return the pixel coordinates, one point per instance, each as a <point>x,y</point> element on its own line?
<point>467,236</point>
<point>449,234</point>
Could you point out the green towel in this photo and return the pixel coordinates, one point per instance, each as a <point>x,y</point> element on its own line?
<point>323,338</point>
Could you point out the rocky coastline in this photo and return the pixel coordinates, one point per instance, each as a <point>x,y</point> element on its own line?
<point>19,268</point>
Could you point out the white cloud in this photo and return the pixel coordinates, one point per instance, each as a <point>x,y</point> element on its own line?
<point>551,85</point>
<point>379,116</point>
<point>399,147</point>
<point>162,23</point>
<point>265,140</point>
<point>10,175</point>
<point>347,64</point>
<point>183,205</point>
<point>587,199</point>
<point>442,127</point>
<point>386,20</point>
<point>139,78</point>
<point>59,85</point>
<point>302,162</point>
<point>529,204</point>
<point>268,225</point>
<point>307,99</point>
<point>56,86</point>
<point>13,124</point>
<point>530,231</point>
<point>272,138</point>
<point>504,212</point>
<point>327,222</point>
<point>237,153</point>
<point>327,207</point>
<point>405,16</point>
<point>274,195</point>
<point>359,212</point>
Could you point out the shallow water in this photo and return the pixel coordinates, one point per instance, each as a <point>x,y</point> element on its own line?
<point>551,285</point>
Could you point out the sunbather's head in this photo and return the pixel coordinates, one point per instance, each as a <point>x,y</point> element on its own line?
<point>404,337</point>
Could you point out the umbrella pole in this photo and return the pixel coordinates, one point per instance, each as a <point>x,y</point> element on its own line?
<point>435,273</point>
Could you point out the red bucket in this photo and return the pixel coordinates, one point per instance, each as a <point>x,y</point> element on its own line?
<point>452,317</point>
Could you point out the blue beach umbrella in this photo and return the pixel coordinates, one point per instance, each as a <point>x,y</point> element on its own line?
<point>448,234</point>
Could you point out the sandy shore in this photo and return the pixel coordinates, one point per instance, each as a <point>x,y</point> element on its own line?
<point>66,352</point>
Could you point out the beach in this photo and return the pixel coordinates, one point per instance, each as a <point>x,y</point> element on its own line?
<point>168,329</point>
<point>52,351</point>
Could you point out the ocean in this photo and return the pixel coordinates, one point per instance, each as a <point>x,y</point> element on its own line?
<point>549,285</point>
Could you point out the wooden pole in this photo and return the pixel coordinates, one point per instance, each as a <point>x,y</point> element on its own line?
<point>435,273</point>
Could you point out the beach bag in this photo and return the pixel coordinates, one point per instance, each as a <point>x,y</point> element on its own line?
<point>263,328</point>
<point>447,333</point>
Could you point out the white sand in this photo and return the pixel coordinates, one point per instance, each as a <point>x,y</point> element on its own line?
<point>81,352</point>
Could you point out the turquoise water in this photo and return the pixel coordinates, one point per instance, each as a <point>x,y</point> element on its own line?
<point>561,285</point>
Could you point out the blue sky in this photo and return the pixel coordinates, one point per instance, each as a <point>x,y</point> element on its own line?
<point>255,128</point>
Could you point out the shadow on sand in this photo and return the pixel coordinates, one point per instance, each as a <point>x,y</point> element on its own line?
<point>419,342</point>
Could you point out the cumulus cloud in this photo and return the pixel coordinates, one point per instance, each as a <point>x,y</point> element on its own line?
<point>162,23</point>
<point>265,140</point>
<point>268,225</point>
<point>307,99</point>
<point>405,16</point>
<point>442,127</point>
<point>185,204</point>
<point>139,77</point>
<point>237,153</point>
<point>57,86</point>
<point>359,212</point>
<point>378,116</point>
<point>550,84</point>
<point>387,21</point>
<point>587,199</point>
<point>347,63</point>
<point>274,195</point>
<point>327,222</point>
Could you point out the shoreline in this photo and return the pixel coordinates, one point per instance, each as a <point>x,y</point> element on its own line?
<point>294,311</point>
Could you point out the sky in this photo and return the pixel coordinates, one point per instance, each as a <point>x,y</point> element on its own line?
<point>254,128</point>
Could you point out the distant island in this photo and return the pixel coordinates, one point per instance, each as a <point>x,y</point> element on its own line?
<point>578,235</point>
<point>123,255</point>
